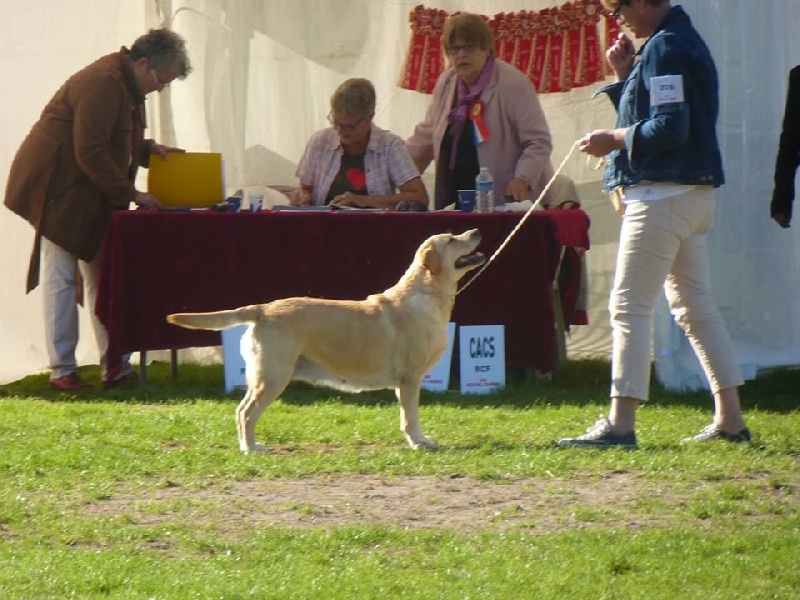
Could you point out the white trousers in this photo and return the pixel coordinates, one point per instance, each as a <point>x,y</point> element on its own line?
<point>663,243</point>
<point>59,284</point>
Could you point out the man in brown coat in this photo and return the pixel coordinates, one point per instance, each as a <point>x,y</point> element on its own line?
<point>76,166</point>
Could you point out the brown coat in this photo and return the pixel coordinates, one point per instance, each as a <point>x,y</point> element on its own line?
<point>78,163</point>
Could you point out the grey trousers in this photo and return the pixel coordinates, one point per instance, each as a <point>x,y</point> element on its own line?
<point>59,284</point>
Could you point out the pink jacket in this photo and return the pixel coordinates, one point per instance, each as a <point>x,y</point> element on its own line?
<point>519,139</point>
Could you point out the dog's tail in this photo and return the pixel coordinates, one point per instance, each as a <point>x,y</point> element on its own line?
<point>221,319</point>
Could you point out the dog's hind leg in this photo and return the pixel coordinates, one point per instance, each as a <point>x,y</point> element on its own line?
<point>246,440</point>
<point>408,398</point>
<point>268,374</point>
<point>256,400</point>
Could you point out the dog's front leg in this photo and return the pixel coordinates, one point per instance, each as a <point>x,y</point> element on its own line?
<point>408,398</point>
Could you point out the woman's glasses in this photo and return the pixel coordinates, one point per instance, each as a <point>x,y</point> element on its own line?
<point>467,48</point>
<point>346,128</point>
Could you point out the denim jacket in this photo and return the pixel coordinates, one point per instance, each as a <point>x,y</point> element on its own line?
<point>671,142</point>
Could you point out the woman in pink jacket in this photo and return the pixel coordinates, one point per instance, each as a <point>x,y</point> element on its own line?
<point>484,112</point>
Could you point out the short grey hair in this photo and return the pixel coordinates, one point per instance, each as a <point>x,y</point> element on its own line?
<point>354,96</point>
<point>165,50</point>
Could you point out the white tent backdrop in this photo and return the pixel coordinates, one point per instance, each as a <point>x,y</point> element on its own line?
<point>265,70</point>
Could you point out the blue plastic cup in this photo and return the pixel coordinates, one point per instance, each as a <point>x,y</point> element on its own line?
<point>466,200</point>
<point>234,203</point>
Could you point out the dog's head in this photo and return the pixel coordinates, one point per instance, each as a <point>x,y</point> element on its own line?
<point>449,257</point>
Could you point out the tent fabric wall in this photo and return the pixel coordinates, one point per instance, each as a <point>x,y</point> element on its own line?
<point>755,263</point>
<point>41,44</point>
<point>264,73</point>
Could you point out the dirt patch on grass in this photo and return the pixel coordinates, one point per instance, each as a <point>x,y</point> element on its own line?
<point>451,503</point>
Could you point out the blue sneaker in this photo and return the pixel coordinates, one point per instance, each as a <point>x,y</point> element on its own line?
<point>712,432</point>
<point>600,435</point>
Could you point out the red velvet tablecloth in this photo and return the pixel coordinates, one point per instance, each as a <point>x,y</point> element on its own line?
<point>155,263</point>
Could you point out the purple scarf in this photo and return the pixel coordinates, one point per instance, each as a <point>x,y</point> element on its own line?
<point>464,97</point>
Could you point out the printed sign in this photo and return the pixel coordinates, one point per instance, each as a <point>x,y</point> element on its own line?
<point>667,89</point>
<point>232,357</point>
<point>483,358</point>
<point>438,380</point>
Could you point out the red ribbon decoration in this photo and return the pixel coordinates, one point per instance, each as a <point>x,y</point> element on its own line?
<point>557,48</point>
<point>435,62</point>
<point>555,52</point>
<point>524,32</point>
<point>424,61</point>
<point>411,80</point>
<point>573,75</point>
<point>476,116</point>
<point>593,64</point>
<point>539,57</point>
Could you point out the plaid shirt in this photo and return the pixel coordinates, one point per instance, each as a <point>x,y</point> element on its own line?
<point>387,163</point>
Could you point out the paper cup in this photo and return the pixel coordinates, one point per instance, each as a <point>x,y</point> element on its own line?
<point>256,202</point>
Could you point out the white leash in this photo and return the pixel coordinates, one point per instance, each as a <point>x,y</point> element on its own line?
<point>533,207</point>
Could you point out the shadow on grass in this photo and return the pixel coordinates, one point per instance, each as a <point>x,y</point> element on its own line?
<point>578,383</point>
<point>194,382</point>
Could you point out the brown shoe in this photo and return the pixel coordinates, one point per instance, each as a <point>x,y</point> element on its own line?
<point>69,383</point>
<point>131,377</point>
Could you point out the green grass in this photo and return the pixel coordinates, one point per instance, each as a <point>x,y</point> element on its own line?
<point>142,493</point>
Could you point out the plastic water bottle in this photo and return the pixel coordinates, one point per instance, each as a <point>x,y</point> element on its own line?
<point>484,191</point>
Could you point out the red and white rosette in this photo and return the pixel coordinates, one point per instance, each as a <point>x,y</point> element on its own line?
<point>476,115</point>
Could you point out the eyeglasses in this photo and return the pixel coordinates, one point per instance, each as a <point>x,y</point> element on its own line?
<point>161,85</point>
<point>344,126</point>
<point>615,13</point>
<point>467,48</point>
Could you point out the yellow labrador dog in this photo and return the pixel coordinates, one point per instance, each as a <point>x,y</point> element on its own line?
<point>389,340</point>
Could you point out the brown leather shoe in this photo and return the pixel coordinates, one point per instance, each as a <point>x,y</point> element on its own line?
<point>131,377</point>
<point>69,383</point>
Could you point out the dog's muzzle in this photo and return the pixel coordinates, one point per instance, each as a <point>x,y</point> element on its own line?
<point>470,260</point>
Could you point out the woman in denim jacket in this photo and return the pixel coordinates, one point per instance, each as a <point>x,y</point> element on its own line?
<point>662,167</point>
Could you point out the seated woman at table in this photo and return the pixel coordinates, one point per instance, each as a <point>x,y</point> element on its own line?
<point>356,163</point>
<point>484,113</point>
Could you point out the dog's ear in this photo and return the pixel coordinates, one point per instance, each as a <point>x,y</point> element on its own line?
<point>431,259</point>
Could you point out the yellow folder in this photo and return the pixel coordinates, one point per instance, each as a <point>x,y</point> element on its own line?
<point>187,179</point>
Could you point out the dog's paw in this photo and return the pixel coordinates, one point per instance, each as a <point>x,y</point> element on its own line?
<point>256,448</point>
<point>423,443</point>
